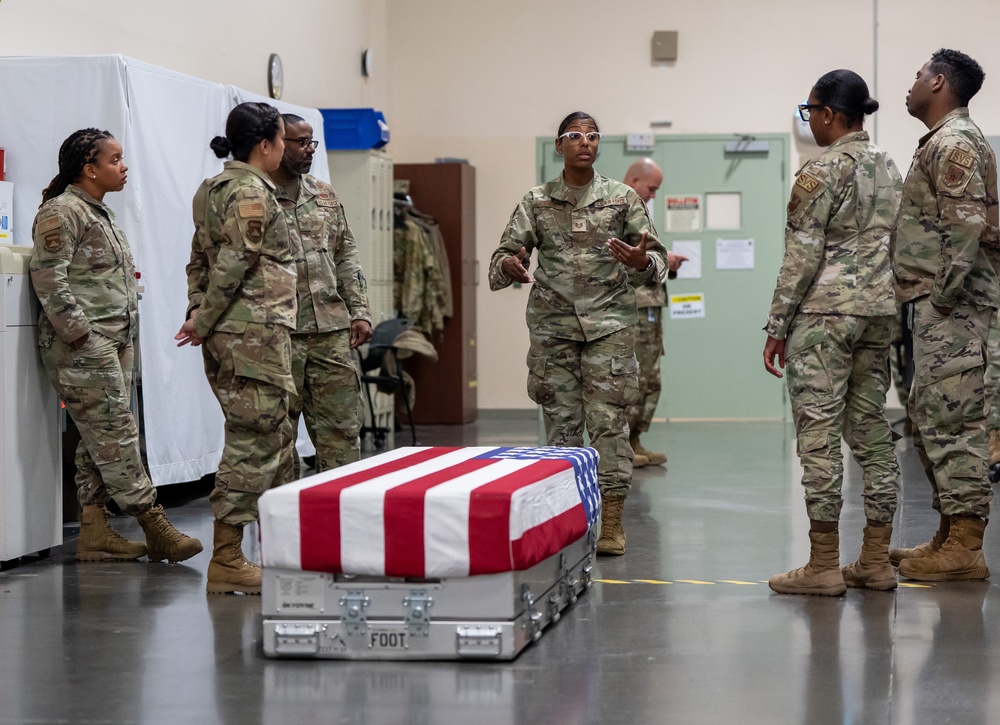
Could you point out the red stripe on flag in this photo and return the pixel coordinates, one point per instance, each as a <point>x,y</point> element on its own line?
<point>540,542</point>
<point>404,518</point>
<point>489,516</point>
<point>319,510</point>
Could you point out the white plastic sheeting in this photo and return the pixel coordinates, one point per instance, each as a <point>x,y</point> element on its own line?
<point>164,121</point>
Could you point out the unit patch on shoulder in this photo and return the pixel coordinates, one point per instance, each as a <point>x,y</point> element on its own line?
<point>807,182</point>
<point>954,175</point>
<point>255,230</point>
<point>793,204</point>
<point>251,209</point>
<point>961,158</point>
<point>53,242</point>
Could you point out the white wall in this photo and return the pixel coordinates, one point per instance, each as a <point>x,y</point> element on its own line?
<point>481,80</point>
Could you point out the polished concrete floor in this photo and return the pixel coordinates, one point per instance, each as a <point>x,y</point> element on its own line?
<point>682,629</point>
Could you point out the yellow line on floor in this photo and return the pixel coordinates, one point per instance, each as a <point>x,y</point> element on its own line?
<point>724,581</point>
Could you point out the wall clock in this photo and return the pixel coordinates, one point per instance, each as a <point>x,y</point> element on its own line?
<point>275,76</point>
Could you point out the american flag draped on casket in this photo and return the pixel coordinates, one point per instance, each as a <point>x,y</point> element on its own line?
<point>433,512</point>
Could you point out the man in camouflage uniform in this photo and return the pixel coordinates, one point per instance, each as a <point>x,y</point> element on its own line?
<point>944,257</point>
<point>242,306</point>
<point>830,319</point>
<point>991,380</point>
<point>645,177</point>
<point>83,273</point>
<point>334,317</point>
<point>594,240</point>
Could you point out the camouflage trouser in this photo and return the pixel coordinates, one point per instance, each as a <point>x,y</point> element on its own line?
<point>992,376</point>
<point>838,374</point>
<point>250,374</point>
<point>328,385</point>
<point>648,351</point>
<point>95,382</point>
<point>947,405</point>
<point>592,382</point>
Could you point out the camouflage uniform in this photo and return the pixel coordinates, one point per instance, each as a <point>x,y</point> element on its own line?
<point>581,313</point>
<point>648,351</point>
<point>241,281</point>
<point>332,293</point>
<point>84,276</point>
<point>945,249</point>
<point>991,380</point>
<point>834,306</point>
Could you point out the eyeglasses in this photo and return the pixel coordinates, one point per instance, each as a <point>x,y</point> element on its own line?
<point>303,142</point>
<point>577,136</point>
<point>805,109</point>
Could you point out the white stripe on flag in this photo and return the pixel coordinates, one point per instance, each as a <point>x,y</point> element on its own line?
<point>362,512</point>
<point>541,501</point>
<point>446,517</point>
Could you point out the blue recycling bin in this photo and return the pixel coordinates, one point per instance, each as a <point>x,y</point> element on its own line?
<point>354,128</point>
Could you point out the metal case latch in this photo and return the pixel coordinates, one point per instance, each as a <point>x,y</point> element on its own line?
<point>534,622</point>
<point>354,603</point>
<point>417,617</point>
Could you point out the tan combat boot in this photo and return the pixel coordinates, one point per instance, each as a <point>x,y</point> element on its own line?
<point>612,541</point>
<point>163,541</point>
<point>639,459</point>
<point>960,557</point>
<point>655,459</point>
<point>821,575</point>
<point>925,549</point>
<point>229,571</point>
<point>872,570</point>
<point>994,450</point>
<point>100,542</point>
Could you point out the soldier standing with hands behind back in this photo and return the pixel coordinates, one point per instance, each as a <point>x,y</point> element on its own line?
<point>644,177</point>
<point>945,248</point>
<point>333,317</point>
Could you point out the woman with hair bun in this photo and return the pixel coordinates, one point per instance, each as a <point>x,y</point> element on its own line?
<point>830,322</point>
<point>242,308</point>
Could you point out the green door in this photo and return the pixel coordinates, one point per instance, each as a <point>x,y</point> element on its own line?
<point>729,198</point>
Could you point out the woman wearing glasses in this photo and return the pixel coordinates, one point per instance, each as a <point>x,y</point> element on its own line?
<point>595,242</point>
<point>242,306</point>
<point>830,324</point>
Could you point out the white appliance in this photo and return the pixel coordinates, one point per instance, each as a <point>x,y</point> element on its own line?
<point>31,470</point>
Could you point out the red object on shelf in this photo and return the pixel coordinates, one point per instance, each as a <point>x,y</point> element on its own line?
<point>3,166</point>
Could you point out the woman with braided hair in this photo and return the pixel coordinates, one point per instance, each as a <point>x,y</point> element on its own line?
<point>242,306</point>
<point>84,276</point>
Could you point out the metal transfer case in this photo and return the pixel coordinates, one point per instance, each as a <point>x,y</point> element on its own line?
<point>486,617</point>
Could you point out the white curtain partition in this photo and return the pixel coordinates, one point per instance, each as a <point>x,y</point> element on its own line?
<point>164,121</point>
